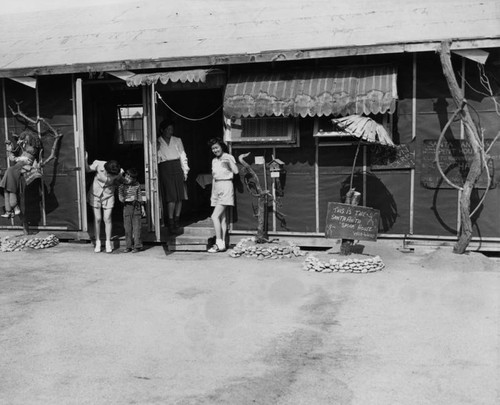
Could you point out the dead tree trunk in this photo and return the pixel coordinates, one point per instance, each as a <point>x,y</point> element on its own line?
<point>472,136</point>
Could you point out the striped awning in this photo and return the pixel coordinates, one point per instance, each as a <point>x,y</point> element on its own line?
<point>363,90</point>
<point>183,76</point>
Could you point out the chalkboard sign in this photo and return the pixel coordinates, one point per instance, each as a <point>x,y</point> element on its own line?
<point>344,221</point>
<point>455,157</point>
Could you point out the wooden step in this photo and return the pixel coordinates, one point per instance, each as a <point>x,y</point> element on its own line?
<point>188,232</point>
<point>189,247</point>
<point>192,231</point>
<point>189,238</point>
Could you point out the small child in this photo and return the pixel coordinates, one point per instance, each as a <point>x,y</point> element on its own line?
<point>129,193</point>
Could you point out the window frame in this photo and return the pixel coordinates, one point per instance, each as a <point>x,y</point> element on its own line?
<point>291,139</point>
<point>121,131</point>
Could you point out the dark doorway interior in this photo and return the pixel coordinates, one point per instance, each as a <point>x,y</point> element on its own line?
<point>198,117</point>
<point>103,104</point>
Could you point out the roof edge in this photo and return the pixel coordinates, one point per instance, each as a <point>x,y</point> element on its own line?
<point>249,58</point>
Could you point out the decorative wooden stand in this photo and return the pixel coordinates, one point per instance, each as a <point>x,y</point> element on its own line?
<point>352,198</point>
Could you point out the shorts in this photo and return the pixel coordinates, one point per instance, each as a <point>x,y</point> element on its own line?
<point>222,193</point>
<point>104,201</point>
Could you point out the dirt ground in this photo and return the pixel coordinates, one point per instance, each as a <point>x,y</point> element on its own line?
<point>155,327</point>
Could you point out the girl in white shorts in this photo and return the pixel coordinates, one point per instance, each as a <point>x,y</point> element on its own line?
<point>223,169</point>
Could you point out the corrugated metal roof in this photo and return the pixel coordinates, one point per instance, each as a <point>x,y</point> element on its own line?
<point>367,90</point>
<point>155,34</point>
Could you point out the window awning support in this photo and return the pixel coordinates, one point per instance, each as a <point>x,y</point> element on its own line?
<point>26,80</point>
<point>122,74</point>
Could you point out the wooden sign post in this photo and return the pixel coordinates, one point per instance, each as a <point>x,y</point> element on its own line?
<point>344,221</point>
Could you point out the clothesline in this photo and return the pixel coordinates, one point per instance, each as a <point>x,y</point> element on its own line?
<point>183,116</point>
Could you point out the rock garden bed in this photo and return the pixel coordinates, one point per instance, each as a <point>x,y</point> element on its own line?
<point>18,243</point>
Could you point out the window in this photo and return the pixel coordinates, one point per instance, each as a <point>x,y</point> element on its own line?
<point>265,130</point>
<point>130,124</point>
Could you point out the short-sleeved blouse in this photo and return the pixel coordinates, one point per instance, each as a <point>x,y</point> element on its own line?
<point>221,170</point>
<point>104,184</point>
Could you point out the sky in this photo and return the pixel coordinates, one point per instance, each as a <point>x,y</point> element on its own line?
<point>20,6</point>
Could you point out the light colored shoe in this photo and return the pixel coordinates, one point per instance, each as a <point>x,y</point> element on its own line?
<point>216,249</point>
<point>8,214</point>
<point>109,247</point>
<point>17,210</point>
<point>97,248</point>
<point>221,245</point>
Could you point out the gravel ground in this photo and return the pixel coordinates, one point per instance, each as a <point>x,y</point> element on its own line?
<point>155,327</point>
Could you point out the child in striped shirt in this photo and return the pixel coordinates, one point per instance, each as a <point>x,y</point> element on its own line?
<point>129,193</point>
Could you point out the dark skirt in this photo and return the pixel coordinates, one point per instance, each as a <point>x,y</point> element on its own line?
<point>171,179</point>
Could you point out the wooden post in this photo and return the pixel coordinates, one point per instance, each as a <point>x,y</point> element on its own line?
<point>22,204</point>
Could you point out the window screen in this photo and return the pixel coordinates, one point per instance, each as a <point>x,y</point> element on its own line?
<point>130,124</point>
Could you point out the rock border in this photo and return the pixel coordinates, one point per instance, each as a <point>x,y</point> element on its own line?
<point>248,248</point>
<point>344,266</point>
<point>18,244</point>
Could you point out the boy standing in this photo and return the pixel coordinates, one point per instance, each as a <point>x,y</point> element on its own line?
<point>129,194</point>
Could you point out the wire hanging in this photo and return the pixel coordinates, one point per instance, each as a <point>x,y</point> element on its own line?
<point>183,116</point>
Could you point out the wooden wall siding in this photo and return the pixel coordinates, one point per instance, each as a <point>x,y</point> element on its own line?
<point>60,186</point>
<point>368,90</point>
<point>168,33</point>
<point>51,201</point>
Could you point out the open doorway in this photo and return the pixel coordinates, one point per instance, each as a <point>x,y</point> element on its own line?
<point>113,129</point>
<point>198,118</point>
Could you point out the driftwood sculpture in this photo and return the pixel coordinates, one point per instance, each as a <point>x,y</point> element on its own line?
<point>264,197</point>
<point>33,125</point>
<point>253,186</point>
<point>36,128</point>
<point>474,135</point>
<point>367,130</point>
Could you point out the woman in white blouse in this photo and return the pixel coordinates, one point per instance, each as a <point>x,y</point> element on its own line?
<point>173,170</point>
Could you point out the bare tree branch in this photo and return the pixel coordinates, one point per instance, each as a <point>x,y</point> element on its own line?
<point>19,115</point>
<point>472,135</point>
<point>438,148</point>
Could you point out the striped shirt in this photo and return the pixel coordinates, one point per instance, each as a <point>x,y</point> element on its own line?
<point>130,192</point>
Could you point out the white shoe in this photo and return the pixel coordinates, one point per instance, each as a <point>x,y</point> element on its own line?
<point>221,245</point>
<point>109,247</point>
<point>17,210</point>
<point>97,248</point>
